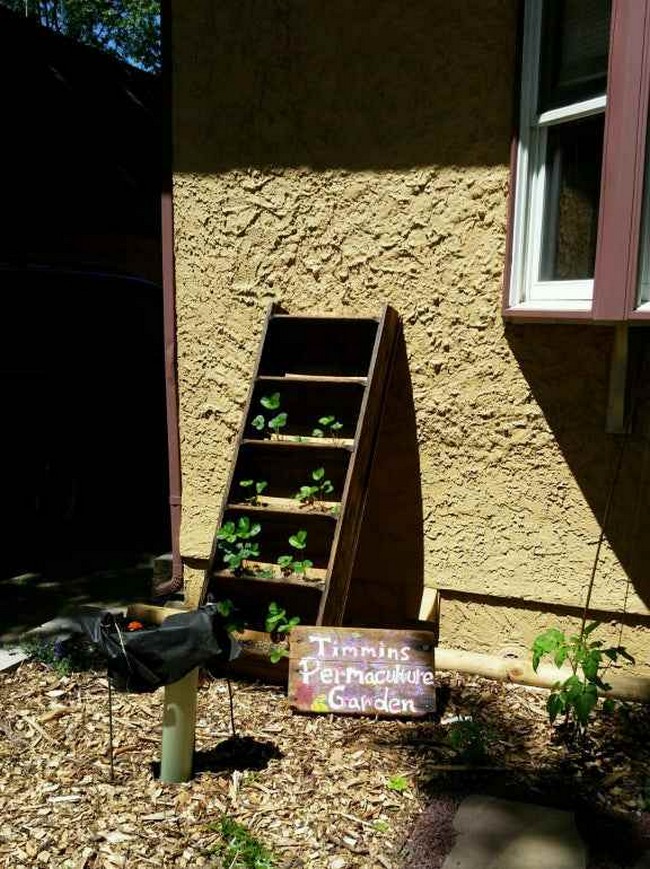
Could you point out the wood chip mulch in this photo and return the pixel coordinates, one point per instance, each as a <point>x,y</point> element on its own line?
<point>315,790</point>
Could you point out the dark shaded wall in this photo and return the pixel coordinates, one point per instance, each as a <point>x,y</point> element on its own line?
<point>81,362</point>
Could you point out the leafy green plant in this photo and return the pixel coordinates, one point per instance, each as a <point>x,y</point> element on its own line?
<point>469,738</point>
<point>234,624</point>
<point>276,422</point>
<point>577,696</point>
<point>279,625</point>
<point>277,622</point>
<point>288,563</point>
<point>253,489</point>
<point>319,488</point>
<point>239,849</point>
<point>328,425</point>
<point>64,655</point>
<point>235,541</point>
<point>397,783</point>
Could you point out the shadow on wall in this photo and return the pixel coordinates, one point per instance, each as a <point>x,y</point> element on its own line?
<point>328,83</point>
<point>567,369</point>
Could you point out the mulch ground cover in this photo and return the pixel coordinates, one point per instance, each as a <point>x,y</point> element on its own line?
<point>320,792</point>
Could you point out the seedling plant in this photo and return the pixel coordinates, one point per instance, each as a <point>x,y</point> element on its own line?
<point>577,696</point>
<point>276,622</point>
<point>276,422</point>
<point>317,490</point>
<point>253,489</point>
<point>235,540</point>
<point>289,564</point>
<point>238,848</point>
<point>328,426</point>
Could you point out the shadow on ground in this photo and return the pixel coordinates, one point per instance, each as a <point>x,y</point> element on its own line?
<point>31,599</point>
<point>602,779</point>
<point>238,753</point>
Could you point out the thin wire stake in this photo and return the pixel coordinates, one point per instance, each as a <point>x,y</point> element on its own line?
<point>110,727</point>
<point>232,710</point>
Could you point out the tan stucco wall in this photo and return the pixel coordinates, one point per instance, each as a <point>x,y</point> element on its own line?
<point>339,156</point>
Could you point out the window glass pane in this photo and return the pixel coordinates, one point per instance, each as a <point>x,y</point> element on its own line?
<point>574,154</point>
<point>644,239</point>
<point>575,40</point>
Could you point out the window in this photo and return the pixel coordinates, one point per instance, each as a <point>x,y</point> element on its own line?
<point>578,246</point>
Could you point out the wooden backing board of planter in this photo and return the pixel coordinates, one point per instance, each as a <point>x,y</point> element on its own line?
<point>320,366</point>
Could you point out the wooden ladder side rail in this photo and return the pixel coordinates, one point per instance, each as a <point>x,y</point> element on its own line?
<point>346,537</point>
<point>236,449</point>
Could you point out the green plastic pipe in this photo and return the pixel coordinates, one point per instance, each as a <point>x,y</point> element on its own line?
<point>179,724</point>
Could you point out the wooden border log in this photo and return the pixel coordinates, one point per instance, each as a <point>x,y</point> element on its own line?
<point>521,672</point>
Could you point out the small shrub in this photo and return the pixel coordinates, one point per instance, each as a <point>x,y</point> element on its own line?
<point>577,697</point>
<point>470,739</point>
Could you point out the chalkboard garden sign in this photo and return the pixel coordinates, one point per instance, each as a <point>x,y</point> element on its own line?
<point>355,671</point>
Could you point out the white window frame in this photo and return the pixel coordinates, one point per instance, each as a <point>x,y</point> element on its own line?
<point>526,290</point>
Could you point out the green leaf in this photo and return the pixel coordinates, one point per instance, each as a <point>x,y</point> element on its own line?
<point>590,665</point>
<point>537,657</point>
<point>397,783</point>
<point>277,653</point>
<point>318,433</point>
<point>302,566</point>
<point>258,422</point>
<point>306,493</point>
<point>590,628</point>
<point>246,483</point>
<point>278,422</point>
<point>560,656</point>
<point>584,703</point>
<point>227,532</point>
<point>285,628</point>
<point>224,607</point>
<point>299,539</point>
<point>336,426</point>
<point>326,420</point>
<point>285,560</point>
<point>327,487</point>
<point>261,486</point>
<point>318,474</point>
<point>609,705</point>
<point>271,402</point>
<point>554,705</point>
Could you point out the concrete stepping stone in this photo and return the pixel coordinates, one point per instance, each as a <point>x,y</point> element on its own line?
<point>500,834</point>
<point>11,657</point>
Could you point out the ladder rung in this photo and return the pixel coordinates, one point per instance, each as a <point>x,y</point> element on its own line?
<point>310,378</point>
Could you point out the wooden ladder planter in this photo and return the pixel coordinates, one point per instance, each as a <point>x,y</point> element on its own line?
<point>320,365</point>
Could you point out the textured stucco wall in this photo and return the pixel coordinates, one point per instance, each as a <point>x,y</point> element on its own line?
<point>338,156</point>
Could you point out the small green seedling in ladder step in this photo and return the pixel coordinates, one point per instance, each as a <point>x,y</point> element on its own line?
<point>320,487</point>
<point>328,425</point>
<point>279,625</point>
<point>235,541</point>
<point>252,489</point>
<point>277,422</point>
<point>288,564</point>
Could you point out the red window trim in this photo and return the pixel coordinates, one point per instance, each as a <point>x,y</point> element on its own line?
<point>619,224</point>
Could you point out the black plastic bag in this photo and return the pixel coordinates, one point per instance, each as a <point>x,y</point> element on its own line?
<point>142,660</point>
